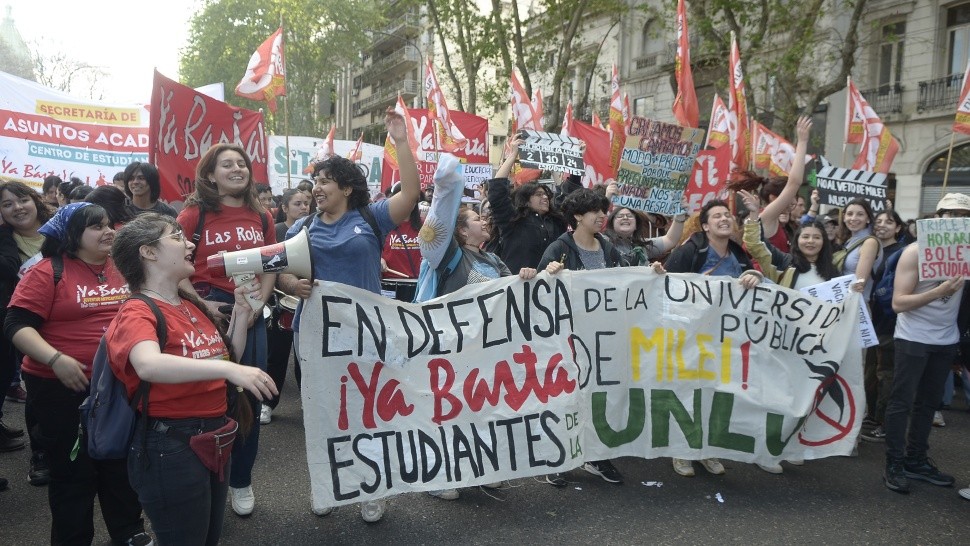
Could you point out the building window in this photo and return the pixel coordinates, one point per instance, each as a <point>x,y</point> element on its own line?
<point>498,140</point>
<point>640,106</point>
<point>958,37</point>
<point>645,38</point>
<point>891,56</point>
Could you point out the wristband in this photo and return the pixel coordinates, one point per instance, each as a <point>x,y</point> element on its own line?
<point>680,218</point>
<point>50,363</point>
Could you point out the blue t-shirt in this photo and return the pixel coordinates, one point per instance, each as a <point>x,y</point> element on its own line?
<point>728,266</point>
<point>347,251</point>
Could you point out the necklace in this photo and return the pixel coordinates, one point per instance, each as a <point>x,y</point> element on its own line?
<point>163,298</point>
<point>99,274</point>
<point>179,304</point>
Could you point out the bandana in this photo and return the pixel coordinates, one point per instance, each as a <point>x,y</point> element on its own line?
<point>56,227</point>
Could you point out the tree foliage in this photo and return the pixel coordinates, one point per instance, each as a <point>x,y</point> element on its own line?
<point>793,54</point>
<point>320,37</point>
<point>59,70</point>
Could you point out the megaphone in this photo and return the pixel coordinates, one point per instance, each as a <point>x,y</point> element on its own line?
<point>290,256</point>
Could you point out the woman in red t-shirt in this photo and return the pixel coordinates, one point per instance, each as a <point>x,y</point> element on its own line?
<point>184,500</point>
<point>56,318</point>
<point>233,220</point>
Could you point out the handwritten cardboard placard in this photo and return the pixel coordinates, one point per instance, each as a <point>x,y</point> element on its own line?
<point>944,248</point>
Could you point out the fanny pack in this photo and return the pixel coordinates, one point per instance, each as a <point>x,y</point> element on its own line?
<point>213,448</point>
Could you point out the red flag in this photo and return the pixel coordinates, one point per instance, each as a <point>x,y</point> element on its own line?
<point>597,154</point>
<point>709,179</point>
<point>719,131</point>
<point>324,151</point>
<point>178,135</point>
<point>771,151</point>
<point>962,123</point>
<point>685,103</point>
<point>449,137</point>
<point>616,128</point>
<point>738,106</point>
<point>597,122</point>
<point>567,120</point>
<point>537,106</point>
<point>356,153</point>
<point>524,116</point>
<point>627,115</point>
<point>879,148</point>
<point>265,77</point>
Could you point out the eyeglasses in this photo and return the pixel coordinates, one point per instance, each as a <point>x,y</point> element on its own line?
<point>177,235</point>
<point>624,216</point>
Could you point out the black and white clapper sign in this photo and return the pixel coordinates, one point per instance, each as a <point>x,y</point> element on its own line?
<point>550,151</point>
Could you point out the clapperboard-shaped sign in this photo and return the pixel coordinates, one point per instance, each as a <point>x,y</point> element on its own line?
<point>549,151</point>
<point>837,186</point>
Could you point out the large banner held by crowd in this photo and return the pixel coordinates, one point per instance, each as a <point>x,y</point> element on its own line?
<point>944,248</point>
<point>837,186</point>
<point>45,132</point>
<point>513,378</point>
<point>656,165</point>
<point>302,151</point>
<point>185,123</point>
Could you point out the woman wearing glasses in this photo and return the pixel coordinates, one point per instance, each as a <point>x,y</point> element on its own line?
<point>183,498</point>
<point>226,215</point>
<point>343,242</point>
<point>628,230</point>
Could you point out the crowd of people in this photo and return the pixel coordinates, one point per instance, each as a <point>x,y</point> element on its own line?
<point>77,264</point>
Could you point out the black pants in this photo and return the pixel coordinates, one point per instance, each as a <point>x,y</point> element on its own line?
<point>74,484</point>
<point>280,343</point>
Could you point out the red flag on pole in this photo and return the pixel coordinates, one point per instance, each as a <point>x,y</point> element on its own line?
<point>597,122</point>
<point>879,147</point>
<point>265,77</point>
<point>449,136</point>
<point>627,116</point>
<point>524,116</point>
<point>738,106</point>
<point>771,151</point>
<point>685,103</point>
<point>616,127</point>
<point>719,131</point>
<point>355,153</point>
<point>567,120</point>
<point>962,123</point>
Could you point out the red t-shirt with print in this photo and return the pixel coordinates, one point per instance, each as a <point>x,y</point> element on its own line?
<point>76,312</point>
<point>200,339</point>
<point>230,229</point>
<point>400,245</point>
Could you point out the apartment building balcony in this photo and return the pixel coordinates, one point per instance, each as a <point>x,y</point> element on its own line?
<point>886,99</point>
<point>397,33</point>
<point>939,94</point>
<point>392,65</point>
<point>387,94</point>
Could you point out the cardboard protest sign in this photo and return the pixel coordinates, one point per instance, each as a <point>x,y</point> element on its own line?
<point>302,151</point>
<point>944,248</point>
<point>837,186</point>
<point>656,165</point>
<point>185,124</point>
<point>836,291</point>
<point>512,378</point>
<point>551,151</point>
<point>45,132</point>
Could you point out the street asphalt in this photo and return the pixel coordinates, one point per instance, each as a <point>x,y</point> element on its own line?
<point>838,500</point>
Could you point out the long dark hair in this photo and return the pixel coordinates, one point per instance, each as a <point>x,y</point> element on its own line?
<point>206,194</point>
<point>520,202</point>
<point>823,262</point>
<point>82,219</point>
<point>114,203</point>
<point>641,231</point>
<point>19,189</point>
<point>146,229</point>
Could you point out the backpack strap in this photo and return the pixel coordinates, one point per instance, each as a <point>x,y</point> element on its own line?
<point>57,265</point>
<point>161,332</point>
<point>196,237</point>
<point>368,216</point>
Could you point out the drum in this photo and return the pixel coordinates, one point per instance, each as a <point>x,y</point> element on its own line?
<point>286,307</point>
<point>399,289</point>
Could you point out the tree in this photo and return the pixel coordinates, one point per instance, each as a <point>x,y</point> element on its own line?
<point>11,63</point>
<point>320,37</point>
<point>792,54</point>
<point>58,70</point>
<point>461,24</point>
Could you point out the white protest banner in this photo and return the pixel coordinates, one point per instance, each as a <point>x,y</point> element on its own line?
<point>836,291</point>
<point>551,151</point>
<point>515,378</point>
<point>656,165</point>
<point>302,151</point>
<point>45,132</point>
<point>944,248</point>
<point>837,186</point>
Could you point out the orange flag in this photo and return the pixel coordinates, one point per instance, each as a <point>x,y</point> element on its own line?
<point>719,130</point>
<point>771,151</point>
<point>567,120</point>
<point>597,122</point>
<point>265,77</point>
<point>738,106</point>
<point>685,103</point>
<point>524,116</point>
<point>962,124</point>
<point>449,136</point>
<point>879,147</point>
<point>355,152</point>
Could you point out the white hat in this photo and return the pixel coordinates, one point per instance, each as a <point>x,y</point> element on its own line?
<point>954,201</point>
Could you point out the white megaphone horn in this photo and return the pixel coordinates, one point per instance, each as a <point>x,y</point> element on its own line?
<point>290,256</point>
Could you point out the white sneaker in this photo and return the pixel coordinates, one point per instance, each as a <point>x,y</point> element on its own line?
<point>445,494</point>
<point>965,493</point>
<point>494,485</point>
<point>771,468</point>
<point>243,500</point>
<point>713,466</point>
<point>325,511</point>
<point>938,419</point>
<point>683,467</point>
<point>265,415</point>
<point>796,462</point>
<point>373,511</point>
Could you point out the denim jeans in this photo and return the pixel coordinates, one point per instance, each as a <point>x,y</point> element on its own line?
<point>74,484</point>
<point>185,502</point>
<point>245,449</point>
<point>918,379</point>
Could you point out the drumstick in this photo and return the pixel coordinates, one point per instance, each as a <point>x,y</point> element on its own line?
<point>398,273</point>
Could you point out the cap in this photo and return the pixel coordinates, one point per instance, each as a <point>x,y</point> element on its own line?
<point>954,201</point>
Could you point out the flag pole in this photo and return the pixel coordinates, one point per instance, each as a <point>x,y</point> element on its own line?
<point>848,109</point>
<point>949,155</point>
<point>286,113</point>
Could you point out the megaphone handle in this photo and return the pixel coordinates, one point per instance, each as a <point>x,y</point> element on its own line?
<point>254,300</point>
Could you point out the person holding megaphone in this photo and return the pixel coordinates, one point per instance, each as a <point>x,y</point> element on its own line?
<point>344,245</point>
<point>224,215</point>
